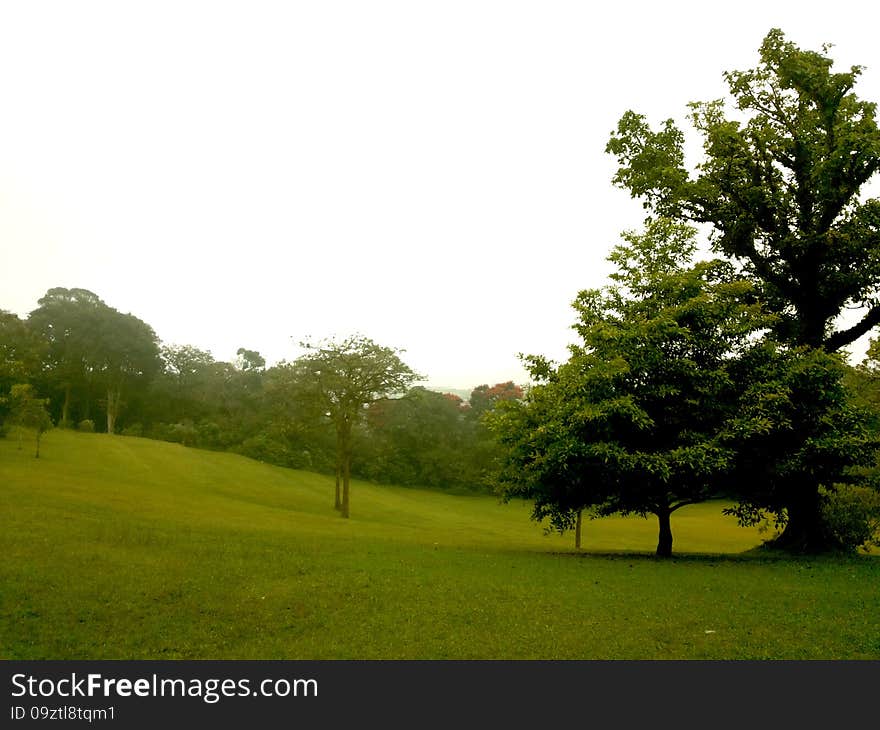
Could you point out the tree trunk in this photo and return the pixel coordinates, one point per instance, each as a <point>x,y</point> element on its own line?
<point>577,530</point>
<point>112,408</point>
<point>338,504</point>
<point>812,330</point>
<point>65,408</point>
<point>344,436</point>
<point>37,452</point>
<point>664,542</point>
<point>805,531</point>
<point>346,480</point>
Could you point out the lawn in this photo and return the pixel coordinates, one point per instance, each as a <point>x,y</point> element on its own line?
<point>126,548</point>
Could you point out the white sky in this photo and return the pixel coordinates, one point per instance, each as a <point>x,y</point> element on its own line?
<point>429,174</point>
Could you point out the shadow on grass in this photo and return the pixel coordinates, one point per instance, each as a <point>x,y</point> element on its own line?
<point>759,554</point>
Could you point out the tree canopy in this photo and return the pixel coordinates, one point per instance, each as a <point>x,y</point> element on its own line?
<point>779,184</point>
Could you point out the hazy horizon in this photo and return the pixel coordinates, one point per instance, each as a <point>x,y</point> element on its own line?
<point>433,177</point>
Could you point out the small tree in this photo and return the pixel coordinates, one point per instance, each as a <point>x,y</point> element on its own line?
<point>26,410</point>
<point>634,422</point>
<point>344,378</point>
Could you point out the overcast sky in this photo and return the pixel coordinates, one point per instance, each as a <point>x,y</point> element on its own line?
<point>429,174</point>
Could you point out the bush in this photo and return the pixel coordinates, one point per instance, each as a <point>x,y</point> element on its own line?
<point>209,435</point>
<point>135,429</point>
<point>182,433</point>
<point>86,426</point>
<point>852,514</point>
<point>265,448</point>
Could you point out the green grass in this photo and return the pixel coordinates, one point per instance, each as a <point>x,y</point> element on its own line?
<point>125,548</point>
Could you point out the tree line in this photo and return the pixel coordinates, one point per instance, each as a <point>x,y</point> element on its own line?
<point>347,407</point>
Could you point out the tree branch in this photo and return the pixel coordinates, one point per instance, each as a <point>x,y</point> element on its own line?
<point>764,268</point>
<point>845,337</point>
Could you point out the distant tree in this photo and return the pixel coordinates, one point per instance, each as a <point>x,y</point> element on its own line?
<point>249,360</point>
<point>68,321</point>
<point>484,398</point>
<point>457,401</point>
<point>126,355</point>
<point>344,377</point>
<point>780,186</point>
<point>186,372</point>
<point>185,362</point>
<point>21,352</point>
<point>635,422</point>
<point>251,366</point>
<point>26,410</point>
<point>423,438</point>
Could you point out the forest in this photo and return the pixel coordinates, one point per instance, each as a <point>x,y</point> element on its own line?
<point>89,367</point>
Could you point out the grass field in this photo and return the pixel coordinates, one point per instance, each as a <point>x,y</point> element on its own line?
<point>125,548</point>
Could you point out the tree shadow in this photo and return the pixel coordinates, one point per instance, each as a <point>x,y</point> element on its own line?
<point>759,554</point>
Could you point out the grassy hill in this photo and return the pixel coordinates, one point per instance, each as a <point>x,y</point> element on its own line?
<point>118,547</point>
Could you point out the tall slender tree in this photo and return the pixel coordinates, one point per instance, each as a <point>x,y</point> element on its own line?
<point>345,377</point>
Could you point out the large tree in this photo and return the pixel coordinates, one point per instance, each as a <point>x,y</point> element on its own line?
<point>344,378</point>
<point>126,355</point>
<point>636,421</point>
<point>780,187</point>
<point>69,322</point>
